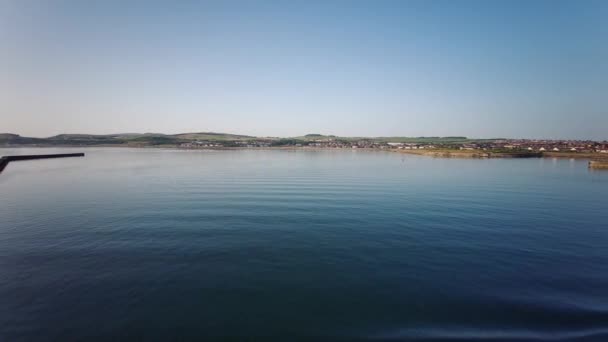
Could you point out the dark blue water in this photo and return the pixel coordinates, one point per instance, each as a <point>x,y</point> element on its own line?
<point>272,245</point>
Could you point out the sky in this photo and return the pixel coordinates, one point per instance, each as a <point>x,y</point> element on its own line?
<point>483,69</point>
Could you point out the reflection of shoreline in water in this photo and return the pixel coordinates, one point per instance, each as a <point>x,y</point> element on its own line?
<point>470,154</point>
<point>7,159</point>
<point>598,164</point>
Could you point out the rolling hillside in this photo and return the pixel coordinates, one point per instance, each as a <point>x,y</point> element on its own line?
<point>225,139</point>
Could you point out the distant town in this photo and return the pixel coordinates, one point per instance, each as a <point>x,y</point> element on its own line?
<point>210,140</point>
<point>584,146</point>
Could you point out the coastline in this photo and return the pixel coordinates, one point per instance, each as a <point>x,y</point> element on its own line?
<point>436,153</point>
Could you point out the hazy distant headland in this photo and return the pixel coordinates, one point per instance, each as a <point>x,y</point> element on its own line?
<point>455,146</point>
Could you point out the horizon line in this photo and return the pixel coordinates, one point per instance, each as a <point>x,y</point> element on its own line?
<point>305,135</point>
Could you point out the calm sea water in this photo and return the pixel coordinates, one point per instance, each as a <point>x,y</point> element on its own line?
<point>148,244</point>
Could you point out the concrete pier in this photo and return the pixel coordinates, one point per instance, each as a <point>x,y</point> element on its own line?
<point>3,162</point>
<point>7,159</point>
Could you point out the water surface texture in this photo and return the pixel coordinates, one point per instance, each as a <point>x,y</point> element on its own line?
<point>148,244</point>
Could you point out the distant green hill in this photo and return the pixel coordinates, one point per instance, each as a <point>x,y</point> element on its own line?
<point>311,137</point>
<point>15,139</point>
<point>211,136</point>
<point>128,139</point>
<point>156,139</point>
<point>426,140</point>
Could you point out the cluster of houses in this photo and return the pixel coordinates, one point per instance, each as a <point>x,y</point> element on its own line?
<point>199,144</point>
<point>338,143</point>
<point>557,145</point>
<point>521,145</point>
<point>410,146</point>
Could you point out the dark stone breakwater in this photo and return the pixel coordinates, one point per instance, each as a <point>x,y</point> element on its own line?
<point>7,159</point>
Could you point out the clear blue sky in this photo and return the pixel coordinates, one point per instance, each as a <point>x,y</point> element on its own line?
<point>536,69</point>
